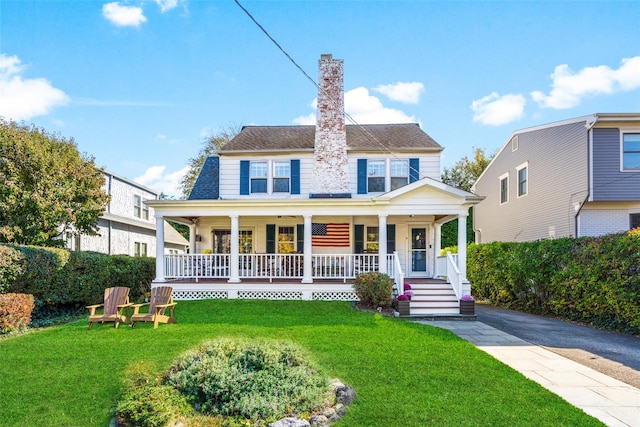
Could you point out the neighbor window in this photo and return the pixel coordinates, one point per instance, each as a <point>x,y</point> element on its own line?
<point>375,174</point>
<point>504,189</point>
<point>281,175</point>
<point>139,249</point>
<point>258,177</point>
<point>634,220</point>
<point>522,180</point>
<point>140,210</point>
<point>631,151</point>
<point>399,173</point>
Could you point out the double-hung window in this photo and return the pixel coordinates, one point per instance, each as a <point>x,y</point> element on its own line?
<point>286,240</point>
<point>375,174</point>
<point>631,151</point>
<point>504,189</point>
<point>523,179</point>
<point>372,238</point>
<point>399,173</point>
<point>139,249</point>
<point>140,210</point>
<point>281,177</point>
<point>258,177</point>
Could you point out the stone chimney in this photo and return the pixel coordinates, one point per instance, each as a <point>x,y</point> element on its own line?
<point>330,166</point>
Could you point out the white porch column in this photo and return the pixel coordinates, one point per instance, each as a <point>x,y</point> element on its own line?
<point>159,249</point>
<point>192,238</point>
<point>235,247</point>
<point>307,274</point>
<point>382,243</point>
<point>462,243</point>
<point>437,245</point>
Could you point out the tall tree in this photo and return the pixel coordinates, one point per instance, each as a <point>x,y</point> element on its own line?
<point>47,187</point>
<point>211,145</point>
<point>463,174</point>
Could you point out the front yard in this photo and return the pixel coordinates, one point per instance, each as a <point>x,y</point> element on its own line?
<point>405,374</point>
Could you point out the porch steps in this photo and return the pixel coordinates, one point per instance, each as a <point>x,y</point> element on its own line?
<point>434,298</point>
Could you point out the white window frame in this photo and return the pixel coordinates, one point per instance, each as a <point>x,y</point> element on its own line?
<point>275,176</point>
<point>374,243</point>
<point>256,178</point>
<point>139,249</point>
<point>500,179</point>
<point>622,134</point>
<point>374,174</point>
<point>280,242</point>
<point>526,180</point>
<point>405,176</point>
<point>140,209</point>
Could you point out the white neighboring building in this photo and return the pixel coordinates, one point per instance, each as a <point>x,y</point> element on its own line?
<point>128,226</point>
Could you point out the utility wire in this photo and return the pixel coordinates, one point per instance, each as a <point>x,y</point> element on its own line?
<point>315,84</point>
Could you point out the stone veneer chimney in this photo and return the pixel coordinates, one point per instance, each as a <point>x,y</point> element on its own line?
<point>330,166</point>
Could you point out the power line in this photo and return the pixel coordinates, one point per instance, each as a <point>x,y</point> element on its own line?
<point>315,84</point>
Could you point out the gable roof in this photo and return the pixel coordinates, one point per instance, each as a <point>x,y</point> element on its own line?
<point>384,137</point>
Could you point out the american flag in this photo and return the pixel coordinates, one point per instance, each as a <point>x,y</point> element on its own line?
<point>332,235</point>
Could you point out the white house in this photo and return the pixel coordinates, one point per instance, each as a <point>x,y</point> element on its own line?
<point>128,225</point>
<point>296,212</point>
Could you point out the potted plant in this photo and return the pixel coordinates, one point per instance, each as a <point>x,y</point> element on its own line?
<point>407,287</point>
<point>409,294</point>
<point>467,305</point>
<point>404,307</point>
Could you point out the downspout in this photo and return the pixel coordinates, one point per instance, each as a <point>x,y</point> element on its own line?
<point>589,127</point>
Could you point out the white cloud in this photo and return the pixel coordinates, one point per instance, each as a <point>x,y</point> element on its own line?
<point>407,92</point>
<point>123,16</point>
<point>363,108</point>
<point>157,179</point>
<point>166,5</point>
<point>498,110</point>
<point>24,98</point>
<point>569,87</point>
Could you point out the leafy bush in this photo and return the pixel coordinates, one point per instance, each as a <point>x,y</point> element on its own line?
<point>264,380</point>
<point>15,311</point>
<point>12,265</point>
<point>590,279</point>
<point>452,249</point>
<point>374,289</point>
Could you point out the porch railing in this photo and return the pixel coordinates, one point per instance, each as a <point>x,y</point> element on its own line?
<point>447,268</point>
<point>275,266</point>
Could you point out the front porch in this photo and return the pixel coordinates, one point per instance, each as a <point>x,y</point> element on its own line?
<point>280,277</point>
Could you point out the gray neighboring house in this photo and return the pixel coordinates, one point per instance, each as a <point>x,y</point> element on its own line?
<point>577,177</point>
<point>128,225</point>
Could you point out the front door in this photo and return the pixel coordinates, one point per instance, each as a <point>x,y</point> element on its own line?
<point>418,252</point>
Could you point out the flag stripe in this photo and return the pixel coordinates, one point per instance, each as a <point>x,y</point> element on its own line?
<point>336,235</point>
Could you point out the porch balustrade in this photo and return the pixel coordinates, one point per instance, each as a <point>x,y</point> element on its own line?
<point>274,266</point>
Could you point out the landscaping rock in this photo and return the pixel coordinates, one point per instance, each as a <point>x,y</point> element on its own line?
<point>319,421</point>
<point>290,422</point>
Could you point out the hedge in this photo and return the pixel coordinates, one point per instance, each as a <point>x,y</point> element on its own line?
<point>60,278</point>
<point>15,312</point>
<point>590,279</point>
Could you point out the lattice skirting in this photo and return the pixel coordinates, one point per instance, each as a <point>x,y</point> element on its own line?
<point>190,295</point>
<point>335,296</point>
<point>274,295</point>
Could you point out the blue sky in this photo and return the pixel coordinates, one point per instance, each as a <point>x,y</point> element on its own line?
<point>140,84</point>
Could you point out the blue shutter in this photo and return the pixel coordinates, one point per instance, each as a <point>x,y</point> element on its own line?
<point>391,238</point>
<point>414,170</point>
<point>358,238</point>
<point>362,176</point>
<point>300,238</point>
<point>244,177</point>
<point>295,176</point>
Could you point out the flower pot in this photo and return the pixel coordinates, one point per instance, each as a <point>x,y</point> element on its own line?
<point>404,308</point>
<point>467,307</point>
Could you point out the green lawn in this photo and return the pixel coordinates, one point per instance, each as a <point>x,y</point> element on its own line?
<point>405,374</point>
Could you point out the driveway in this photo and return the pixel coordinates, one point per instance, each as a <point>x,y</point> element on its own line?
<point>610,353</point>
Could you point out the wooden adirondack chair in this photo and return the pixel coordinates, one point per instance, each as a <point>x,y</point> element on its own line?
<point>160,300</point>
<point>115,301</point>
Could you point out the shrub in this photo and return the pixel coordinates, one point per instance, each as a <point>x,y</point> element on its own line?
<point>15,311</point>
<point>264,380</point>
<point>590,279</point>
<point>12,265</point>
<point>374,289</point>
<point>452,249</point>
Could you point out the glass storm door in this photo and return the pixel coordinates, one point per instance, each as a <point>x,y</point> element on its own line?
<point>419,251</point>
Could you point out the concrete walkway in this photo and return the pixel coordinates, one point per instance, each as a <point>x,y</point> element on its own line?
<point>613,402</point>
